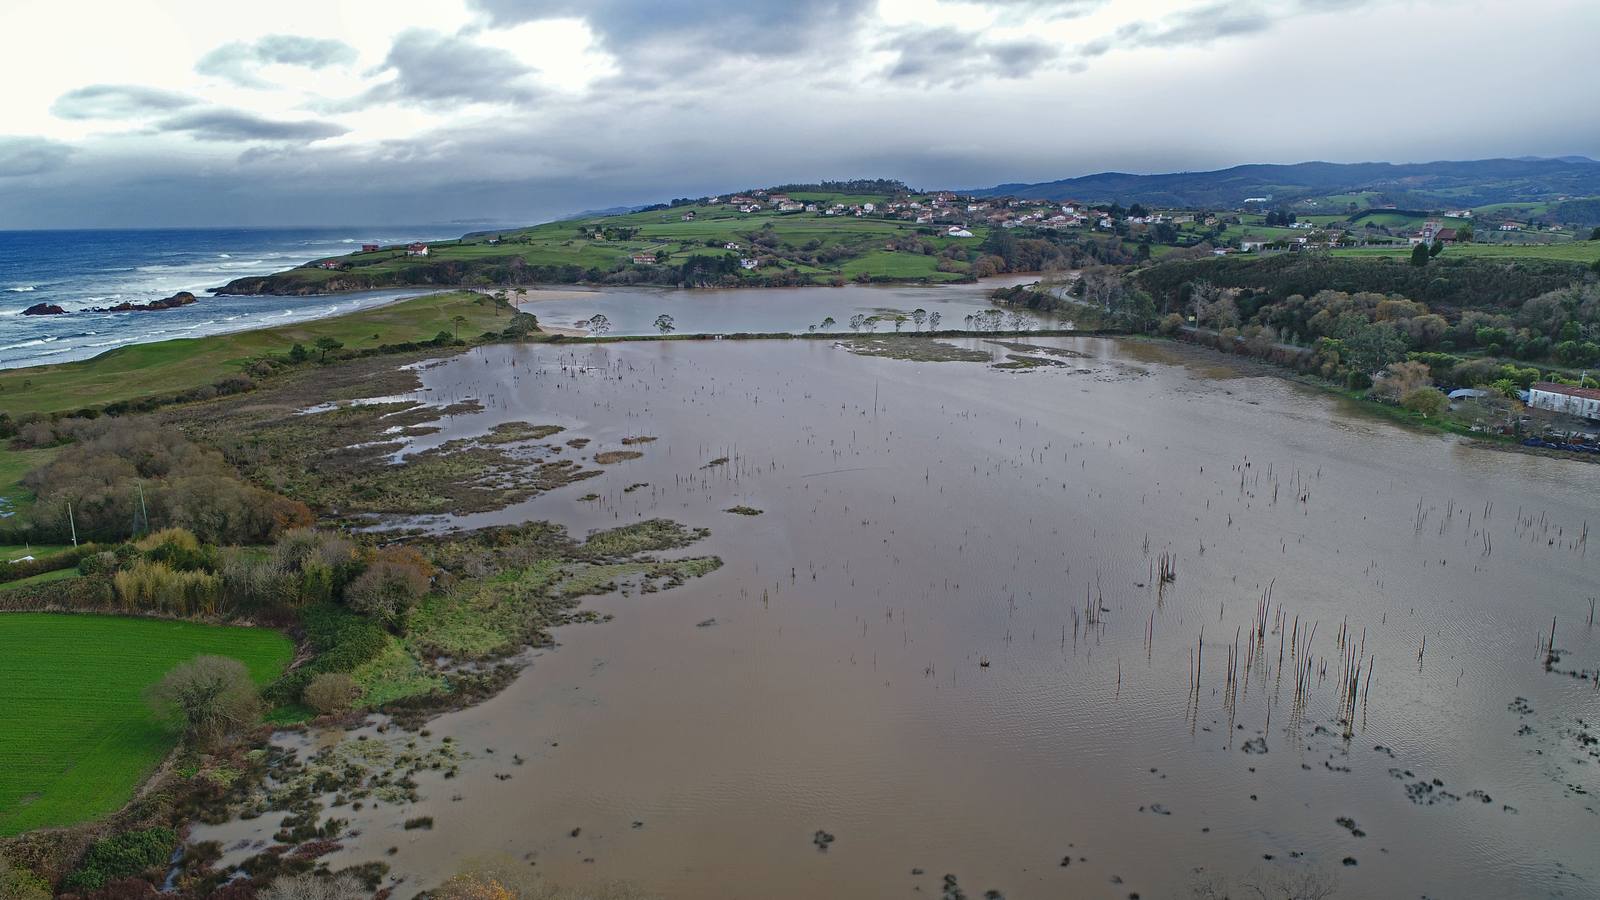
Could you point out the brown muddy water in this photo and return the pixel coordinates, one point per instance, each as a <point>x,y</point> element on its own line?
<point>920,519</point>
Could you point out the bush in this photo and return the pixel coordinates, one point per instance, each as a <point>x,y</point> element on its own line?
<point>65,559</point>
<point>391,584</point>
<point>157,587</point>
<point>1424,400</point>
<point>342,641</point>
<point>17,883</point>
<point>315,886</point>
<point>211,697</point>
<point>86,593</point>
<point>129,853</point>
<point>331,692</point>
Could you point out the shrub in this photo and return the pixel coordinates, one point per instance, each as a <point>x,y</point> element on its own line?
<point>315,886</point>
<point>17,883</point>
<point>129,853</point>
<point>391,584</point>
<point>211,697</point>
<point>157,587</point>
<point>331,692</point>
<point>88,593</point>
<point>65,559</point>
<point>1424,400</point>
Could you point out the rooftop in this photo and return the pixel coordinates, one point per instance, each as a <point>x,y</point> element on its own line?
<point>1586,393</point>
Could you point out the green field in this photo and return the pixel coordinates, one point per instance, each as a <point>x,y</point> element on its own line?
<point>41,578</point>
<point>76,737</point>
<point>1568,251</point>
<point>568,250</point>
<point>165,367</point>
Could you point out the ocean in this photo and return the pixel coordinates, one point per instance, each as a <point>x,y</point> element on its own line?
<point>80,270</point>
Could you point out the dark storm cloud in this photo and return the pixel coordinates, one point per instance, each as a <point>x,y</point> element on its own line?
<point>239,60</point>
<point>429,67</point>
<point>117,101</point>
<point>21,156</point>
<point>233,125</point>
<point>729,27</point>
<point>950,56</point>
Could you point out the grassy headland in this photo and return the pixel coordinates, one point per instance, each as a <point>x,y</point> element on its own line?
<point>161,368</point>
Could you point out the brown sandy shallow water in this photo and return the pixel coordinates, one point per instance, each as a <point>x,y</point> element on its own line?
<point>919,518</point>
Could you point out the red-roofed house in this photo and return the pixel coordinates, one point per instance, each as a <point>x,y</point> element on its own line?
<point>1564,398</point>
<point>369,248</point>
<point>417,249</point>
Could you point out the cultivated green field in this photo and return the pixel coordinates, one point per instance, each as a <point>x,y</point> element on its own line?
<point>165,367</point>
<point>1569,251</point>
<point>76,736</point>
<point>563,251</point>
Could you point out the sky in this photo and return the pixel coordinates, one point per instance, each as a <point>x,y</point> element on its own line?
<point>190,113</point>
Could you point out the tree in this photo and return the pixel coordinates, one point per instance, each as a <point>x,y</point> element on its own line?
<point>1419,255</point>
<point>390,586</point>
<point>933,321</point>
<point>326,344</point>
<point>331,692</point>
<point>919,316</point>
<point>664,324</point>
<point>1435,248</point>
<point>298,353</point>
<point>458,321</point>
<point>1595,234</point>
<point>1464,233</point>
<point>1402,379</point>
<point>598,324</point>
<point>828,323</point>
<point>857,321</point>
<point>1425,400</point>
<point>210,697</point>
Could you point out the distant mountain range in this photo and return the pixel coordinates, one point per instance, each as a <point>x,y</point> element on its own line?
<point>1428,185</point>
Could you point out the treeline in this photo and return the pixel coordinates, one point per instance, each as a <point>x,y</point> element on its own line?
<point>1460,284</point>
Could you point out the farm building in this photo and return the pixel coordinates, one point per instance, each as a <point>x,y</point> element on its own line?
<point>417,249</point>
<point>1564,398</point>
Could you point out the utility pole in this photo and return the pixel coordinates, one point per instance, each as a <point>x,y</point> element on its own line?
<point>72,523</point>
<point>144,511</point>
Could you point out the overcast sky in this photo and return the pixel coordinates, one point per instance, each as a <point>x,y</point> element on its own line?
<point>194,112</point>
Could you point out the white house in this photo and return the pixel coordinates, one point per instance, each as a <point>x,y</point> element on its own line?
<point>749,263</point>
<point>417,249</point>
<point>956,231</point>
<point>869,207</point>
<point>731,246</point>
<point>1564,398</point>
<point>1250,245</point>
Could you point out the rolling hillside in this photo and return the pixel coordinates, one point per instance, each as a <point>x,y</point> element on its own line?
<point>1425,185</point>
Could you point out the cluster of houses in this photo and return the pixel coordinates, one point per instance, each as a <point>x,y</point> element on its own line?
<point>1433,232</point>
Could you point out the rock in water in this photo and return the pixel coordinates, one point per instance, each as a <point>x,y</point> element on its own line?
<point>44,309</point>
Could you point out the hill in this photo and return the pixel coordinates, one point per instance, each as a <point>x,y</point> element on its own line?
<point>1431,185</point>
<point>812,237</point>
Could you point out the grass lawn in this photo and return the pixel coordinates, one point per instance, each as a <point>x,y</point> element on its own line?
<point>1568,251</point>
<point>76,737</point>
<point>14,464</point>
<point>165,367</point>
<point>41,578</point>
<point>9,552</point>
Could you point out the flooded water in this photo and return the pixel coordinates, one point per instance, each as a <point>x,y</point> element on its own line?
<point>943,640</point>
<point>767,310</point>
